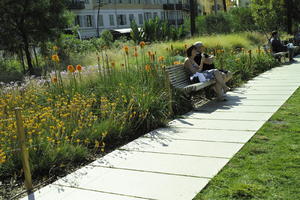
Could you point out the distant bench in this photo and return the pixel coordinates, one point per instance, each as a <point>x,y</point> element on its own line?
<point>278,55</point>
<point>180,80</point>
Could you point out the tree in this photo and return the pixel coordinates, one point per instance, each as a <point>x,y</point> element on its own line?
<point>224,6</point>
<point>276,14</point>
<point>29,22</point>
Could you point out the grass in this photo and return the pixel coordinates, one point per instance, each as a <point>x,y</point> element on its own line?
<point>268,166</point>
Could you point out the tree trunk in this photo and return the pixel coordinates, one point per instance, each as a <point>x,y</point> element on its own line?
<point>22,60</point>
<point>192,17</point>
<point>224,6</point>
<point>28,56</point>
<point>215,6</point>
<point>289,11</point>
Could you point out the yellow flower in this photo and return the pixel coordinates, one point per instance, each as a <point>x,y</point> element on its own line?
<point>113,64</point>
<point>54,80</point>
<point>55,48</point>
<point>147,68</point>
<point>55,58</point>
<point>142,44</point>
<point>96,144</point>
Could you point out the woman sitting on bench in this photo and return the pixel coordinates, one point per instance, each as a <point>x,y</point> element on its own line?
<point>197,75</point>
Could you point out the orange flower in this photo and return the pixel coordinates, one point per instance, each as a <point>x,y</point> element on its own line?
<point>126,49</point>
<point>135,54</point>
<point>78,68</point>
<point>71,68</point>
<point>142,44</point>
<point>161,58</point>
<point>177,63</point>
<point>147,68</point>
<point>149,53</point>
<point>55,58</point>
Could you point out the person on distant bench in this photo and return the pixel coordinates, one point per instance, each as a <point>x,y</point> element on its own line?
<point>197,74</point>
<point>277,46</point>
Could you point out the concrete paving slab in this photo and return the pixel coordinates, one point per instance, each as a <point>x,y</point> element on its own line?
<point>239,108</point>
<point>266,92</point>
<point>267,88</point>
<point>201,135</point>
<point>183,147</point>
<point>217,124</point>
<point>200,167</point>
<point>144,184</point>
<point>257,96</point>
<point>248,102</point>
<point>58,192</point>
<point>229,116</point>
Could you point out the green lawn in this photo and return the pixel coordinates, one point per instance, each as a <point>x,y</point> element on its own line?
<point>268,166</point>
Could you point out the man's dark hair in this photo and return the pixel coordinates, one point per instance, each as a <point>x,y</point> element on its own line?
<point>189,50</point>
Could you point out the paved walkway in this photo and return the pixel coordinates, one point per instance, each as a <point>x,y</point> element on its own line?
<point>175,163</point>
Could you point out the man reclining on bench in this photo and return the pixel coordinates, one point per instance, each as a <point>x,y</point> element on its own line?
<point>198,75</point>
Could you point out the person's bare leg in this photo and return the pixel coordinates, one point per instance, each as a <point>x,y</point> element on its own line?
<point>219,91</point>
<point>220,80</point>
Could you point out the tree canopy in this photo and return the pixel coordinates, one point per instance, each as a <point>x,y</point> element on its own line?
<point>276,14</point>
<point>28,22</point>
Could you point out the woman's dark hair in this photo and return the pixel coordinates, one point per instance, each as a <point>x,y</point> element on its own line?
<point>189,50</point>
<point>274,33</point>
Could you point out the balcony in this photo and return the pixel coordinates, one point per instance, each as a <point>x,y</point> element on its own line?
<point>178,6</point>
<point>169,6</point>
<point>76,5</point>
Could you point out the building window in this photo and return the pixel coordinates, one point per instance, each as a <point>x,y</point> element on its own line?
<point>120,1</point>
<point>77,20</point>
<point>111,20</point>
<point>162,14</point>
<point>121,20</point>
<point>131,17</point>
<point>141,20</point>
<point>88,21</point>
<point>87,1</point>
<point>100,20</point>
<point>148,15</point>
<point>155,15</point>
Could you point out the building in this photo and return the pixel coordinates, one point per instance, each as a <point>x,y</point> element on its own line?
<point>93,16</point>
<point>243,3</point>
<point>206,7</point>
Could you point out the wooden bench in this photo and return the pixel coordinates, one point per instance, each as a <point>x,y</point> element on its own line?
<point>180,80</point>
<point>278,55</point>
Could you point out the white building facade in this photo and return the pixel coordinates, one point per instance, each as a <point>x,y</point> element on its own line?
<point>118,14</point>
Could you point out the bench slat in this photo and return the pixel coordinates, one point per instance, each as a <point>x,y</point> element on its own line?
<point>179,79</point>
